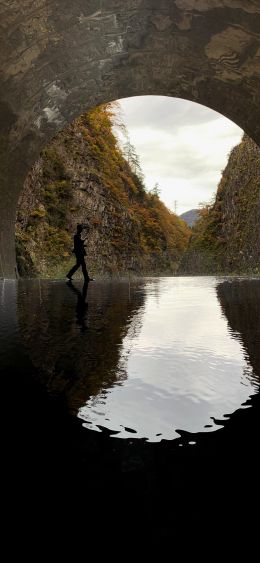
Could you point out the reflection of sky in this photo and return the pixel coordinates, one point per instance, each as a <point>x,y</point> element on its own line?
<point>183,366</point>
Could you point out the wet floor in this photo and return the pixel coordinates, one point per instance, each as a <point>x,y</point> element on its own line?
<point>107,383</point>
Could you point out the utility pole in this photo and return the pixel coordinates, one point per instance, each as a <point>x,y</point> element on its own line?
<point>175,206</point>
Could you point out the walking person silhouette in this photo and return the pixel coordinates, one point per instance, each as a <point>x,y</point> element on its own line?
<point>80,253</point>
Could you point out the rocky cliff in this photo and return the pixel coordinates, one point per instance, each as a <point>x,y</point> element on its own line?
<point>226,238</point>
<point>83,176</point>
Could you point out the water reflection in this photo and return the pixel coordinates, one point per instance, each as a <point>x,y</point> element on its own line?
<point>154,360</point>
<point>240,303</point>
<point>185,372</point>
<point>82,305</point>
<point>74,344</point>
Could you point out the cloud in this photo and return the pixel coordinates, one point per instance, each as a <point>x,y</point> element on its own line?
<point>182,145</point>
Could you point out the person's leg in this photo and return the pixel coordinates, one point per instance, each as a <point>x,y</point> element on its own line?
<point>73,270</point>
<point>84,270</point>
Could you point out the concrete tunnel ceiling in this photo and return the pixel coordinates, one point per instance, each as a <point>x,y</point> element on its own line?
<point>59,58</point>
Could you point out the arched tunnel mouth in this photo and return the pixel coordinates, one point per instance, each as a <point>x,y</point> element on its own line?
<point>175,368</point>
<point>51,181</point>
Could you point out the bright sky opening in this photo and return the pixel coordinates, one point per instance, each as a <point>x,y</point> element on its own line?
<point>182,145</point>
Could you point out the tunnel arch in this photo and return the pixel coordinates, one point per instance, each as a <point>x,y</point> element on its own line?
<point>59,59</point>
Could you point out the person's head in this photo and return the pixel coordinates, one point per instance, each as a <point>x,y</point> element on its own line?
<point>79,229</point>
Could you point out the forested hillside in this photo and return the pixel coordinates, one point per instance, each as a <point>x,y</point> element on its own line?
<point>84,176</point>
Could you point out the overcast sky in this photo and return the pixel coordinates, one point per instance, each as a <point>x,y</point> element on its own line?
<point>182,145</point>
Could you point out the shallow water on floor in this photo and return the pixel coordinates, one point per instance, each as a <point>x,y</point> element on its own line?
<point>143,359</point>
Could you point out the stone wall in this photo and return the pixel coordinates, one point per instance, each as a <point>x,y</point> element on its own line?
<point>60,58</point>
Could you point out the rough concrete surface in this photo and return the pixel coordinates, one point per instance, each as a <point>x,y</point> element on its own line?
<point>59,58</point>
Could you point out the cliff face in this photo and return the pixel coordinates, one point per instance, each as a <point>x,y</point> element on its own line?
<point>227,236</point>
<point>82,176</point>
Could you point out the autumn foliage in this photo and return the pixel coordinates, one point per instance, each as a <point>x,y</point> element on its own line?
<point>85,175</point>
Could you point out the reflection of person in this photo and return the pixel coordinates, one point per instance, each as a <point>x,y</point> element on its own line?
<point>82,306</point>
<point>80,253</point>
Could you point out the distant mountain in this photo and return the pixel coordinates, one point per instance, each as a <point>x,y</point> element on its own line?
<point>190,217</point>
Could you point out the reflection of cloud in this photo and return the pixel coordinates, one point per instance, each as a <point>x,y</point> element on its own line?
<point>182,145</point>
<point>183,365</point>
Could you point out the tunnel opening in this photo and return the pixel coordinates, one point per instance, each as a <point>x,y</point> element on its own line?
<point>91,173</point>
